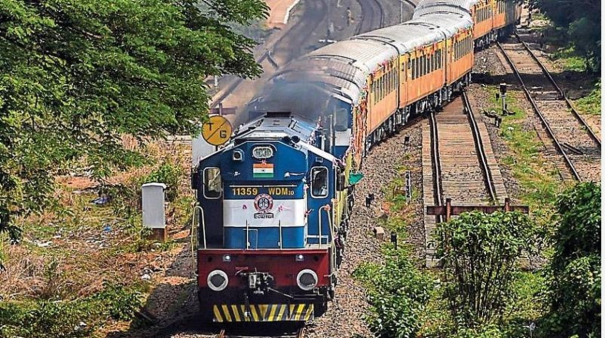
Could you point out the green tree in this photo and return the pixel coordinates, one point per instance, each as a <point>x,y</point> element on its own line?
<point>479,253</point>
<point>575,269</point>
<point>75,75</point>
<point>581,20</point>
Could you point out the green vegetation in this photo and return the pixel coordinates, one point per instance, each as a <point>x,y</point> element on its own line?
<point>481,291</point>
<point>398,293</point>
<point>591,104</point>
<point>538,179</point>
<point>69,318</point>
<point>77,76</point>
<point>578,23</point>
<point>575,270</point>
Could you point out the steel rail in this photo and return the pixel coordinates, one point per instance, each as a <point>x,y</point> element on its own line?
<point>558,145</point>
<point>575,113</point>
<point>435,159</point>
<point>489,180</point>
<point>269,48</point>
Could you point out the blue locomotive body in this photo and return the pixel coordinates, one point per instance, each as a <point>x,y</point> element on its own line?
<point>268,196</point>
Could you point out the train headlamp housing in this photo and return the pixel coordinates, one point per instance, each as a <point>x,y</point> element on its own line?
<point>217,280</point>
<point>262,152</point>
<point>299,258</point>
<point>227,258</point>
<point>306,279</point>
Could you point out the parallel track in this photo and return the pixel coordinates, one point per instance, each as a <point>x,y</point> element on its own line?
<point>461,170</point>
<point>297,35</point>
<point>372,16</point>
<point>457,165</point>
<point>573,139</point>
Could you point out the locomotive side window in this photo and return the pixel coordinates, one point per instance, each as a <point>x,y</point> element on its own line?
<point>319,182</point>
<point>212,183</point>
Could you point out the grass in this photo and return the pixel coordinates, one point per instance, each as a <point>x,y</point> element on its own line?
<point>71,249</point>
<point>538,179</point>
<point>591,104</point>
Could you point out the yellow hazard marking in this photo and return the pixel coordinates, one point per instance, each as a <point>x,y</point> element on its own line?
<point>217,314</point>
<point>262,312</point>
<point>235,313</point>
<point>254,314</point>
<point>226,312</point>
<point>281,315</point>
<point>272,314</point>
<point>217,130</point>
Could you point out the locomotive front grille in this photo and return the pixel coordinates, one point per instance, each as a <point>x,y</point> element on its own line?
<point>262,312</point>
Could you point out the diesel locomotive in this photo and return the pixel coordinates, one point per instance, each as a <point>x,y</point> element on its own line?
<point>274,202</point>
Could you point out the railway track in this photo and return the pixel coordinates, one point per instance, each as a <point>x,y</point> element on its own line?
<point>372,16</point>
<point>287,46</point>
<point>572,137</point>
<point>224,334</point>
<point>458,163</point>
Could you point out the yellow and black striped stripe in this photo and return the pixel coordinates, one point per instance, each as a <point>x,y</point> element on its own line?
<point>262,312</point>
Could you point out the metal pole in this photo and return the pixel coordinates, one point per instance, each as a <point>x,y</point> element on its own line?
<point>319,215</point>
<point>247,236</point>
<point>400,11</point>
<point>280,238</point>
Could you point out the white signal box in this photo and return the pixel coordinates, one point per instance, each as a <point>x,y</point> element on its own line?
<point>154,215</point>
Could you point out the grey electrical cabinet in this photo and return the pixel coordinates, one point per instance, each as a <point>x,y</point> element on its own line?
<point>154,215</point>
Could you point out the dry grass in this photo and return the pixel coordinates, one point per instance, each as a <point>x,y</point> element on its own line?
<point>67,251</point>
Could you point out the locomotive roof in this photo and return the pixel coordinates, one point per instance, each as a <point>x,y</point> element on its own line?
<point>276,126</point>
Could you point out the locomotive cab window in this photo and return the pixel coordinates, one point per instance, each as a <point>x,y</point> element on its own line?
<point>319,182</point>
<point>212,183</point>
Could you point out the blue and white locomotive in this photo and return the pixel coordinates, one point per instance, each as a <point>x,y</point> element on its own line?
<point>269,240</point>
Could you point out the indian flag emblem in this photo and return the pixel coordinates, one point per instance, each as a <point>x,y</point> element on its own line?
<point>262,170</point>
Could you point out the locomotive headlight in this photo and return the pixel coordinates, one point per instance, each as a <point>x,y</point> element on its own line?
<point>227,258</point>
<point>306,279</point>
<point>217,280</point>
<point>300,258</point>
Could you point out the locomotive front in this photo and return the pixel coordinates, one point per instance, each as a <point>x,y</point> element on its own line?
<point>265,244</point>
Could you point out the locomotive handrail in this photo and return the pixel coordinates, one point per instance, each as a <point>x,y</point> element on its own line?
<point>327,210</point>
<point>203,224</point>
<point>281,243</point>
<point>319,216</point>
<point>247,236</point>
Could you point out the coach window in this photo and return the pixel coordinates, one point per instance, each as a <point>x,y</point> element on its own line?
<point>319,182</point>
<point>413,66</point>
<point>212,183</point>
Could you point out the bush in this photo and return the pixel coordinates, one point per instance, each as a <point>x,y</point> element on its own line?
<point>169,175</point>
<point>575,270</point>
<point>398,294</point>
<point>70,318</point>
<point>479,253</point>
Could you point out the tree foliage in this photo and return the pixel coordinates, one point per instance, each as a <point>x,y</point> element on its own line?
<point>398,293</point>
<point>582,21</point>
<point>479,253</point>
<point>77,74</point>
<point>575,269</point>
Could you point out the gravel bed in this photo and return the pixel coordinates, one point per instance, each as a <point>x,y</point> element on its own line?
<point>344,316</point>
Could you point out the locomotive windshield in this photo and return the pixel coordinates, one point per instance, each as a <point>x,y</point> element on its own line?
<point>319,182</point>
<point>212,182</point>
